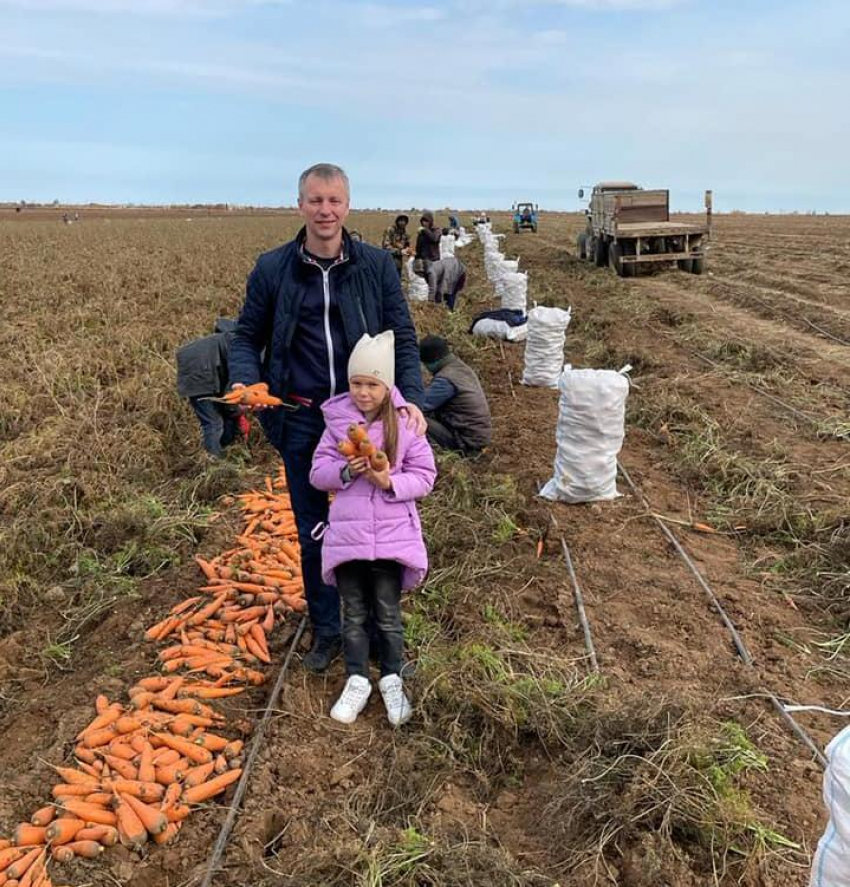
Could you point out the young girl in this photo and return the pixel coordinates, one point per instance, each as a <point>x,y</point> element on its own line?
<point>372,547</point>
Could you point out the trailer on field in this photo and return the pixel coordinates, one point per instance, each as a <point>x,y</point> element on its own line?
<point>628,226</point>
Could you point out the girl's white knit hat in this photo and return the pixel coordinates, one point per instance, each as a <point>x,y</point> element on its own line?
<point>374,356</point>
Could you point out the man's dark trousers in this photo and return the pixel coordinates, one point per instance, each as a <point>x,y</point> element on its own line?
<point>301,433</point>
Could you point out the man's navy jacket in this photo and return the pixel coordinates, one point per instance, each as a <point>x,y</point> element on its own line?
<point>367,298</point>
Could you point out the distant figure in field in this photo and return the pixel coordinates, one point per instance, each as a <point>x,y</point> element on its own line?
<point>456,407</point>
<point>427,251</point>
<point>202,373</point>
<point>397,240</point>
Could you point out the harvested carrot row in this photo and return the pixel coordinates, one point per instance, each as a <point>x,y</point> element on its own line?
<point>141,765</point>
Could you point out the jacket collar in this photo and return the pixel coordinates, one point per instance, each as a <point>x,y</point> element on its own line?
<point>349,247</point>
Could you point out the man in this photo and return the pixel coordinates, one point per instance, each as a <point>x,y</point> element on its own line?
<point>310,301</point>
<point>397,241</point>
<point>428,251</point>
<point>202,373</point>
<point>455,404</point>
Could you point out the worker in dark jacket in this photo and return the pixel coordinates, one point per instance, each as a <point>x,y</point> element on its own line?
<point>201,374</point>
<point>397,241</point>
<point>427,251</point>
<point>308,303</point>
<point>456,407</point>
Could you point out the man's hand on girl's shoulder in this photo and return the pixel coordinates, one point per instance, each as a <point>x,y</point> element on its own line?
<point>415,418</point>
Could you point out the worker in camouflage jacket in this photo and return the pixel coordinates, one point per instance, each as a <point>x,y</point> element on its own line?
<point>397,240</point>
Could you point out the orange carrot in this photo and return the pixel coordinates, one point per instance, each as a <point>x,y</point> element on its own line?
<point>101,704</point>
<point>18,868</point>
<point>10,855</point>
<point>147,771</point>
<point>104,719</point>
<point>63,830</point>
<point>131,832</point>
<point>63,790</point>
<point>172,796</point>
<point>27,835</point>
<point>170,831</point>
<point>199,774</point>
<point>86,849</point>
<point>177,813</point>
<point>62,853</point>
<point>198,793</point>
<point>44,816</point>
<point>90,812</point>
<point>103,834</point>
<point>151,818</point>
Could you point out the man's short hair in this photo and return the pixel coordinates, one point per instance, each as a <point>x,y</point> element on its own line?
<point>326,171</point>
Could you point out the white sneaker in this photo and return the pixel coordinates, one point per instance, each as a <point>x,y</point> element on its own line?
<point>398,705</point>
<point>352,700</point>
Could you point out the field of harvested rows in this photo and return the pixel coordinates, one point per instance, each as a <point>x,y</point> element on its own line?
<point>519,768</point>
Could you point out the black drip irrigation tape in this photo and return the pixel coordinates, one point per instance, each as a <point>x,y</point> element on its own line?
<point>242,786</point>
<point>582,615</point>
<point>738,641</point>
<point>778,401</point>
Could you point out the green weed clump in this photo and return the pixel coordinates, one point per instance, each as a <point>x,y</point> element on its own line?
<point>664,773</point>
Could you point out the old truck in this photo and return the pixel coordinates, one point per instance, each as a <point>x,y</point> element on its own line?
<point>628,226</point>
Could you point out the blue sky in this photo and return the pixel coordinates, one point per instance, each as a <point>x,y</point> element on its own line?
<point>438,102</point>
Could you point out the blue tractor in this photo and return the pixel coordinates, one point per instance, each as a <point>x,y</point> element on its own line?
<point>525,217</point>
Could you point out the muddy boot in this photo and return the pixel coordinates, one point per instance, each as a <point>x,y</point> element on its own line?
<point>322,653</point>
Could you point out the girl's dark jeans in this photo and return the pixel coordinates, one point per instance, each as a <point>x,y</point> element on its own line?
<point>371,587</point>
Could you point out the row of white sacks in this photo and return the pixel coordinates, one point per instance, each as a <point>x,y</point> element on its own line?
<point>592,403</point>
<point>511,284</point>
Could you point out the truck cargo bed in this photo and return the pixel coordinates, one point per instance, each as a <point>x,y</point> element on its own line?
<point>658,229</point>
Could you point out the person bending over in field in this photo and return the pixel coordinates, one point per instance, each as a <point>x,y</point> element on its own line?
<point>202,373</point>
<point>308,303</point>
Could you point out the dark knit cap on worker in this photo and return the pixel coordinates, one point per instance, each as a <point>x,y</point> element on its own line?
<point>427,216</point>
<point>402,218</point>
<point>432,349</point>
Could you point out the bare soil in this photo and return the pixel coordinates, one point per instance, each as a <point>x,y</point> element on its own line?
<point>326,801</point>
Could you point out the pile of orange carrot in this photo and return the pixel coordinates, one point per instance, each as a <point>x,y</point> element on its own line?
<point>140,766</point>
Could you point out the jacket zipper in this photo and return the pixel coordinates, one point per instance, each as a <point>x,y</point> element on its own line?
<point>326,286</point>
<point>329,342</point>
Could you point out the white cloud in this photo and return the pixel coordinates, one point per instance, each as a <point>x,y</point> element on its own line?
<point>154,8</point>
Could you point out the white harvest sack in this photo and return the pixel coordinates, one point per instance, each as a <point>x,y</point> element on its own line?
<point>417,287</point>
<point>447,246</point>
<point>831,863</point>
<point>512,290</point>
<point>490,328</point>
<point>591,427</point>
<point>544,347</point>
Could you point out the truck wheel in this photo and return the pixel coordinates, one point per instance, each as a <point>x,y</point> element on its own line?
<point>600,252</point>
<point>685,265</point>
<point>615,260</point>
<point>581,246</point>
<point>698,265</point>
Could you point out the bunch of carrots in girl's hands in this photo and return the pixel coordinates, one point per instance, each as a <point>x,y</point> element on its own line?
<point>358,445</point>
<point>249,396</point>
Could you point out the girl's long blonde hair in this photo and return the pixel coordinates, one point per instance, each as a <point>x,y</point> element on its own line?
<point>389,418</point>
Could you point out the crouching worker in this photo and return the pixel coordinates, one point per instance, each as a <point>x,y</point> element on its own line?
<point>202,373</point>
<point>456,407</point>
<point>372,546</point>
